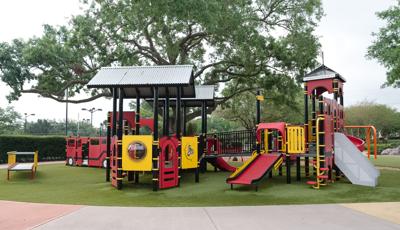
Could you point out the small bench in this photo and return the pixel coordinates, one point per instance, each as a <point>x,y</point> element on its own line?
<point>13,165</point>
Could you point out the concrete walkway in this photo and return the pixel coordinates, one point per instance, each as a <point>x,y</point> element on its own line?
<point>16,215</point>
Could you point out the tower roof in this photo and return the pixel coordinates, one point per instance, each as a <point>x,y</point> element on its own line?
<point>323,72</point>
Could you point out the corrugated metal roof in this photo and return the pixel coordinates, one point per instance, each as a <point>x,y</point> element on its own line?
<point>141,79</point>
<point>142,75</point>
<point>322,72</point>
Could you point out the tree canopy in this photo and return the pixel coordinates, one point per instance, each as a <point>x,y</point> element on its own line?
<point>386,46</point>
<point>385,119</point>
<point>238,44</point>
<point>242,108</point>
<point>9,121</point>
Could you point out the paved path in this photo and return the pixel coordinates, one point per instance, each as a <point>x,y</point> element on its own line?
<point>16,215</point>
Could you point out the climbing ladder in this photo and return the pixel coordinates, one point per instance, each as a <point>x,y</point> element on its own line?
<point>319,162</point>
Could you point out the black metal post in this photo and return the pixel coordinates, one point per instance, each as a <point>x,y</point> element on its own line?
<point>66,113</point>
<point>258,119</point>
<point>184,119</point>
<point>258,106</point>
<point>178,126</point>
<point>178,113</point>
<point>155,141</point>
<point>203,163</point>
<point>114,113</point>
<point>298,176</point>
<point>108,147</point>
<point>306,159</point>
<point>137,116</point>
<point>166,117</point>
<point>288,176</point>
<point>120,131</point>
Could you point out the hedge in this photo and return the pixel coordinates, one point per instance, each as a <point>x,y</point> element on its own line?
<point>51,148</point>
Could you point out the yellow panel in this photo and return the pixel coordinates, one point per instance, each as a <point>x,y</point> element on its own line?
<point>260,98</point>
<point>35,158</point>
<point>137,152</point>
<point>295,138</point>
<point>265,140</point>
<point>189,152</point>
<point>12,158</point>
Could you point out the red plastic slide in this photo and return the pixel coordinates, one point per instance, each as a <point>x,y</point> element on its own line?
<point>255,170</point>
<point>221,164</point>
<point>359,143</point>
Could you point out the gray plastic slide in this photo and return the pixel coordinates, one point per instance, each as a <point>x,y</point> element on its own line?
<point>355,166</point>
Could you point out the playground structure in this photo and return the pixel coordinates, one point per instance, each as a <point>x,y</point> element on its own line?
<point>319,142</point>
<point>14,165</point>
<point>92,151</point>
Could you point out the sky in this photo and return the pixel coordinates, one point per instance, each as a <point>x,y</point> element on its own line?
<point>344,32</point>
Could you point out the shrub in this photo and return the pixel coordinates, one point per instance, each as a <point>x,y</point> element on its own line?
<point>51,148</point>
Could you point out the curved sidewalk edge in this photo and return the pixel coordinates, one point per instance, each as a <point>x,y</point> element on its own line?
<point>388,210</point>
<point>21,215</point>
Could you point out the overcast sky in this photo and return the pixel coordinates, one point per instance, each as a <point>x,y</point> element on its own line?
<point>345,34</point>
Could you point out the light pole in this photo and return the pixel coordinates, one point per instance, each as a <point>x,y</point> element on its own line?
<point>91,111</point>
<point>26,119</point>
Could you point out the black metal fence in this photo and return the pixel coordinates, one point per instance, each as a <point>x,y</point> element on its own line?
<point>234,143</point>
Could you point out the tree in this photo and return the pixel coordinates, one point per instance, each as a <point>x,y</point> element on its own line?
<point>386,47</point>
<point>241,44</point>
<point>385,119</point>
<point>53,127</point>
<point>279,105</point>
<point>9,121</point>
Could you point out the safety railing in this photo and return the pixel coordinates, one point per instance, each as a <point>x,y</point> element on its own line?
<point>367,129</point>
<point>232,143</point>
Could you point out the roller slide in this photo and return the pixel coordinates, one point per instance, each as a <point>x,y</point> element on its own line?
<point>221,164</point>
<point>253,170</point>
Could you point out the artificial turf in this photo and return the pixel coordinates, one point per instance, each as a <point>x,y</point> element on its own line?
<point>80,185</point>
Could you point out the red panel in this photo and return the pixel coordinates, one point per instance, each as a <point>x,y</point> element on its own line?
<point>97,153</point>
<point>328,129</point>
<point>70,148</point>
<point>255,170</point>
<point>280,126</point>
<point>130,118</point>
<point>321,86</point>
<point>168,165</point>
<point>113,161</point>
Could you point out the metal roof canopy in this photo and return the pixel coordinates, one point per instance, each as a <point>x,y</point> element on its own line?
<point>323,72</point>
<point>204,93</point>
<point>139,81</point>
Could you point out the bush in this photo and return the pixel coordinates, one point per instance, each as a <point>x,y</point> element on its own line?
<point>51,148</point>
<point>382,145</point>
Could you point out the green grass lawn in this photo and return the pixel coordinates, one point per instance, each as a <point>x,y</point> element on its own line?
<point>387,161</point>
<point>76,185</point>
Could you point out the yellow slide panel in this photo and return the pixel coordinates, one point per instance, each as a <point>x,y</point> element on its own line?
<point>244,165</point>
<point>296,139</point>
<point>189,152</point>
<point>137,152</point>
<point>266,140</point>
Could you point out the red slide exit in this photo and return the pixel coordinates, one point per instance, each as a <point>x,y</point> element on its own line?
<point>256,170</point>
